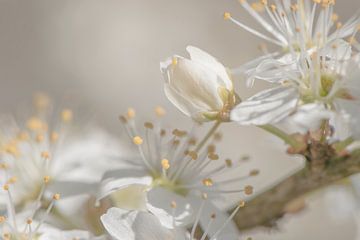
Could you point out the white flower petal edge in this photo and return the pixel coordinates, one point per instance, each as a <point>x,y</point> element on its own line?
<point>267,107</point>
<point>134,225</point>
<point>199,87</point>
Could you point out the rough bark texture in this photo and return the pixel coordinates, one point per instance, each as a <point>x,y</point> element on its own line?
<point>268,207</point>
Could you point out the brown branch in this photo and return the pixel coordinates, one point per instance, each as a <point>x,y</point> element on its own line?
<point>268,207</point>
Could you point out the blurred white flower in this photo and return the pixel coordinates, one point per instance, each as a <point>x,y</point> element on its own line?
<point>153,224</point>
<point>199,87</point>
<point>170,169</point>
<point>37,147</point>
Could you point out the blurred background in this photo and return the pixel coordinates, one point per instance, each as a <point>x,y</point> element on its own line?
<point>105,54</point>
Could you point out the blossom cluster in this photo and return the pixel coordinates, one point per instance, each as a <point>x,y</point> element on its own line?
<point>62,180</point>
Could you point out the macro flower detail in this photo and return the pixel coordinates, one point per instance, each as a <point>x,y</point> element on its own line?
<point>200,87</point>
<point>172,167</point>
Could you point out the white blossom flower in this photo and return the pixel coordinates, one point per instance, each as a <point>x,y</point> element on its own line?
<point>172,168</point>
<point>329,83</point>
<point>298,26</point>
<point>153,224</point>
<point>38,148</point>
<point>199,87</point>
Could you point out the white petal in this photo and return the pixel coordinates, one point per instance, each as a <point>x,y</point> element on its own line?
<point>267,107</point>
<point>134,225</point>
<point>210,62</point>
<point>161,198</point>
<point>111,185</point>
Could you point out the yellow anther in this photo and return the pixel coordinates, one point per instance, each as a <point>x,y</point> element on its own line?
<point>148,125</point>
<point>213,156</point>
<point>211,148</point>
<point>248,190</point>
<point>130,113</point>
<point>273,7</point>
<point>242,203</point>
<point>39,138</point>
<point>317,1</point>
<point>66,115</point>
<point>207,182</point>
<point>165,164</point>
<point>254,172</point>
<point>54,137</point>
<point>6,236</point>
<point>334,17</point>
<point>36,124</point>
<point>179,133</point>
<point>227,15</point>
<point>12,149</point>
<point>4,166</point>
<point>193,155</point>
<point>162,132</point>
<point>23,136</point>
<point>2,219</point>
<point>12,180</point>
<point>137,140</point>
<point>56,196</point>
<point>46,179</point>
<point>228,162</point>
<point>159,111</point>
<point>242,1</point>
<point>338,25</point>
<point>45,155</point>
<point>6,187</point>
<point>29,221</point>
<point>192,141</point>
<point>173,204</point>
<point>174,61</point>
<point>258,7</point>
<point>294,7</point>
<point>264,2</point>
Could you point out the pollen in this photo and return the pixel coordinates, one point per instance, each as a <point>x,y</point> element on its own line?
<point>45,155</point>
<point>56,196</point>
<point>227,15</point>
<point>174,61</point>
<point>35,124</point>
<point>46,179</point>
<point>131,113</point>
<point>54,137</point>
<point>165,164</point>
<point>249,190</point>
<point>137,140</point>
<point>159,111</point>
<point>207,182</point>
<point>66,115</point>
<point>12,180</point>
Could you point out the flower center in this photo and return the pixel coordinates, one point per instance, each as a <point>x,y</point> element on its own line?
<point>164,182</point>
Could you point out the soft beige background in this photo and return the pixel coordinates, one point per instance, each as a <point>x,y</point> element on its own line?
<point>106,54</point>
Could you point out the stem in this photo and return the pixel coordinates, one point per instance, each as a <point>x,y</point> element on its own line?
<point>280,134</point>
<point>207,136</point>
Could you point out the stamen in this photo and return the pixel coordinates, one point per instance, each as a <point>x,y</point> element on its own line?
<point>131,113</point>
<point>227,15</point>
<point>254,172</point>
<point>137,140</point>
<point>207,182</point>
<point>66,115</point>
<point>54,137</point>
<point>45,155</point>
<point>248,190</point>
<point>159,111</point>
<point>165,164</point>
<point>213,156</point>
<point>149,125</point>
<point>174,61</point>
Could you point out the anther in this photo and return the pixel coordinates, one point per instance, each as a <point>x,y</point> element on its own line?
<point>207,182</point>
<point>130,113</point>
<point>254,172</point>
<point>159,111</point>
<point>137,140</point>
<point>174,61</point>
<point>39,138</point>
<point>211,148</point>
<point>6,187</point>
<point>242,203</point>
<point>179,133</point>
<point>46,179</point>
<point>213,216</point>
<point>192,141</point>
<point>193,155</point>
<point>227,15</point>
<point>2,219</point>
<point>122,119</point>
<point>23,136</point>
<point>45,155</point>
<point>248,190</point>
<point>66,115</point>
<point>173,204</point>
<point>29,221</point>
<point>35,124</point>
<point>213,156</point>
<point>54,137</point>
<point>148,125</point>
<point>165,164</point>
<point>12,180</point>
<point>228,162</point>
<point>56,196</point>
